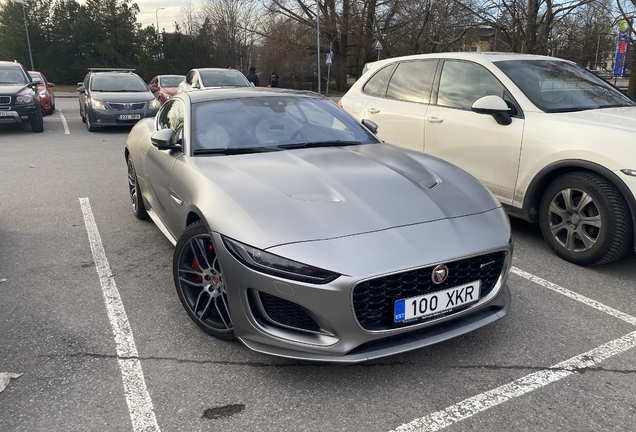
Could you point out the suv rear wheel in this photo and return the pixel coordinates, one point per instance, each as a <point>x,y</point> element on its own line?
<point>585,219</point>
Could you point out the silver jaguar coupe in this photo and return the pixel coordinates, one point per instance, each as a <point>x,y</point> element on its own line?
<point>303,235</point>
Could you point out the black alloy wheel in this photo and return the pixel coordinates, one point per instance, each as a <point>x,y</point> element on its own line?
<point>137,201</point>
<point>585,219</point>
<point>199,281</point>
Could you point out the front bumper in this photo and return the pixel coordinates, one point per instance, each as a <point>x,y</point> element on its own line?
<point>18,114</point>
<point>340,338</point>
<point>112,117</point>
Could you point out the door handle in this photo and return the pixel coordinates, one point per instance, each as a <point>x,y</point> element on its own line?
<point>374,110</point>
<point>434,119</point>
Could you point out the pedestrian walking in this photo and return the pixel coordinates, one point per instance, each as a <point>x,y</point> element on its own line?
<point>273,79</point>
<point>252,77</point>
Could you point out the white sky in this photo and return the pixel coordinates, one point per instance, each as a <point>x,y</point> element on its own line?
<point>167,16</point>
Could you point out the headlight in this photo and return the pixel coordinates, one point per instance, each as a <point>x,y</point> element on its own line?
<point>277,266</point>
<point>24,99</point>
<point>42,93</point>
<point>154,104</point>
<point>98,105</point>
<point>166,96</point>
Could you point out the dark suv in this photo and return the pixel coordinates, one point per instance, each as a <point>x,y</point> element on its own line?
<point>19,99</point>
<point>114,97</point>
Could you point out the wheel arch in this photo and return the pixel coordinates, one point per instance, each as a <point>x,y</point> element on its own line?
<point>532,198</point>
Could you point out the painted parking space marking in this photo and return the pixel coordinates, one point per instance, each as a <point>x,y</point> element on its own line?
<point>484,401</point>
<point>578,297</point>
<point>142,414</point>
<point>476,404</point>
<point>66,131</point>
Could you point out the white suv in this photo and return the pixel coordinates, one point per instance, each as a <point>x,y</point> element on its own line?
<point>553,142</point>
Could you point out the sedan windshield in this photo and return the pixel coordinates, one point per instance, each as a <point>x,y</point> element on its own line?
<point>36,78</point>
<point>118,83</point>
<point>557,86</point>
<point>271,123</point>
<point>223,79</point>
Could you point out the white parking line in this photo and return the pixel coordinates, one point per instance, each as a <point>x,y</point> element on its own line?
<point>140,406</point>
<point>578,297</point>
<point>476,404</point>
<point>66,131</point>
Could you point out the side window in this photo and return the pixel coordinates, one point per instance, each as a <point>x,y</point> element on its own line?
<point>375,86</point>
<point>195,80</point>
<point>171,116</point>
<point>462,83</point>
<point>188,79</point>
<point>412,81</point>
<point>154,81</point>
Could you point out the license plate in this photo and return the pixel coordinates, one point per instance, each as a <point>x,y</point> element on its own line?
<point>437,302</point>
<point>129,116</point>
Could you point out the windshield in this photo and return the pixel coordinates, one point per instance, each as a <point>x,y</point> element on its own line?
<point>273,123</point>
<point>557,86</point>
<point>118,83</point>
<point>223,79</point>
<point>171,81</point>
<point>11,75</point>
<point>36,78</point>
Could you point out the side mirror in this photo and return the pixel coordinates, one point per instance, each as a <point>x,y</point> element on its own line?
<point>80,84</point>
<point>162,139</point>
<point>51,84</point>
<point>494,106</point>
<point>154,89</point>
<point>81,90</point>
<point>372,126</point>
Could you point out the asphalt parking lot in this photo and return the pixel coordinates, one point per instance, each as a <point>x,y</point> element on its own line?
<point>89,316</point>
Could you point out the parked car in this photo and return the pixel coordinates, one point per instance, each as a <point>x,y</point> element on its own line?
<point>553,142</point>
<point>45,90</point>
<point>198,79</point>
<point>166,86</point>
<point>114,97</point>
<point>19,98</point>
<point>301,234</point>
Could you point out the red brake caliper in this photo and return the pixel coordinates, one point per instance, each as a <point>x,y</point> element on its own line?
<point>195,265</point>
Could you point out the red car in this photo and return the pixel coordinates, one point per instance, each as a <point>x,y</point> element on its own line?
<point>45,88</point>
<point>166,86</point>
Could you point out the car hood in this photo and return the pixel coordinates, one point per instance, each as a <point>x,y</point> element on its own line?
<point>623,118</point>
<point>276,198</point>
<point>11,88</point>
<point>123,96</point>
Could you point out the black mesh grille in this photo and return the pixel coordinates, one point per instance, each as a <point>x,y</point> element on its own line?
<point>374,300</point>
<point>5,99</point>
<point>287,313</point>
<point>130,107</point>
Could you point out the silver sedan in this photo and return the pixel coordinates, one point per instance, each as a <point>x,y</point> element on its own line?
<point>300,233</point>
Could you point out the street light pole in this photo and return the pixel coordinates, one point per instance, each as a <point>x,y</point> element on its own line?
<point>26,28</point>
<point>157,17</point>
<point>318,38</point>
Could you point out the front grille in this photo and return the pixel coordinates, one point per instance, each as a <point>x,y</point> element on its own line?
<point>287,313</point>
<point>123,107</point>
<point>374,300</point>
<point>5,99</point>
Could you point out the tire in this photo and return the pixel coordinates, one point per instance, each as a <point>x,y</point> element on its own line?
<point>52,108</point>
<point>585,219</point>
<point>89,125</point>
<point>137,201</point>
<point>199,282</point>
<point>37,123</point>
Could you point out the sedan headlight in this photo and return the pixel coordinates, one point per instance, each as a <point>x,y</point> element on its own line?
<point>43,93</point>
<point>99,105</point>
<point>166,96</point>
<point>24,99</point>
<point>154,104</point>
<point>277,266</point>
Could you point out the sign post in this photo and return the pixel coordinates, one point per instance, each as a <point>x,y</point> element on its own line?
<point>328,62</point>
<point>378,47</point>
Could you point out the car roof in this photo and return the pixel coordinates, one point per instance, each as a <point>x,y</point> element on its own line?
<point>479,57</point>
<point>206,95</point>
<point>9,63</point>
<point>217,69</point>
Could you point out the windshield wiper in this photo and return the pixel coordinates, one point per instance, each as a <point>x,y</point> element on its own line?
<point>336,143</point>
<point>567,110</point>
<point>234,150</point>
<point>613,106</point>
